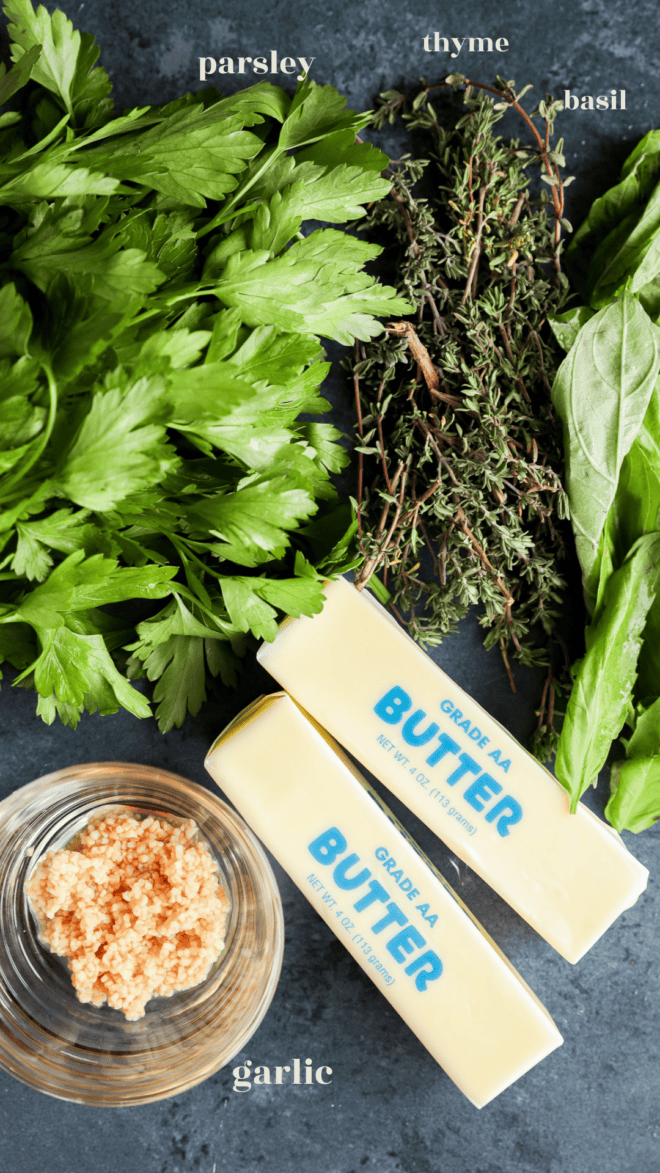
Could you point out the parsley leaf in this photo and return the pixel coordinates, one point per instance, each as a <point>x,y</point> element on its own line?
<point>66,63</point>
<point>64,531</point>
<point>19,76</point>
<point>77,671</point>
<point>257,516</point>
<point>317,286</point>
<point>119,448</point>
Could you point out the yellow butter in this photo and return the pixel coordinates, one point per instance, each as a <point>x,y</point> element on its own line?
<point>386,903</point>
<point>362,677</point>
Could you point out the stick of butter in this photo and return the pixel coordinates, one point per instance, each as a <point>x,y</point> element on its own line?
<point>369,684</point>
<point>386,903</point>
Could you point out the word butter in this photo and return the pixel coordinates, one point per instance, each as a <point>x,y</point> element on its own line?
<point>385,902</point>
<point>362,677</point>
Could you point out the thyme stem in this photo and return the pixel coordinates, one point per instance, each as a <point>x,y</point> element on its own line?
<point>461,502</point>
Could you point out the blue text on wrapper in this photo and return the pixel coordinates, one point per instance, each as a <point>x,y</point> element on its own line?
<point>507,811</point>
<point>427,966</point>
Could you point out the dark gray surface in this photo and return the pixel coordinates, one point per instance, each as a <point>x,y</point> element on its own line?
<point>594,1105</point>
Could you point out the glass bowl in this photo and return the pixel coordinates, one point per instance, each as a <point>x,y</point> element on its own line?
<point>93,1055</point>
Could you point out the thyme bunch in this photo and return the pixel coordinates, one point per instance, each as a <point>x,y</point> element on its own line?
<point>459,498</point>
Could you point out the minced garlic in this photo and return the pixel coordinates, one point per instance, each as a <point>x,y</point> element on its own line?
<point>137,909</point>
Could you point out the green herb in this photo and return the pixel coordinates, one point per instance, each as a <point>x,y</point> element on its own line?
<point>459,495</point>
<point>604,679</point>
<point>608,394</point>
<point>162,303</point>
<point>612,244</point>
<point>602,393</point>
<point>635,783</point>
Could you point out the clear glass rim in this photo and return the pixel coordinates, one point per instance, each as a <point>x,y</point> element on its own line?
<point>92,1055</point>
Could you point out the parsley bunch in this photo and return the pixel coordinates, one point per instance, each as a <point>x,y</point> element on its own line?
<point>160,311</point>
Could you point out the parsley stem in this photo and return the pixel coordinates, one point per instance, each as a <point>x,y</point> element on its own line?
<point>223,216</point>
<point>33,456</point>
<point>267,159</point>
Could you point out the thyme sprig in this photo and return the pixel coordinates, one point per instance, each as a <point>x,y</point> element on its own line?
<point>459,499</point>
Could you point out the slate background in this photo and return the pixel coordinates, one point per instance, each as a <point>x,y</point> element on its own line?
<point>592,1106</point>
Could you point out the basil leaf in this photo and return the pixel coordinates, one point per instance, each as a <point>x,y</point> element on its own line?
<point>637,503</point>
<point>649,297</point>
<point>645,739</point>
<point>601,393</point>
<point>634,801</point>
<point>605,677</point>
<point>634,804</point>
<point>637,507</point>
<point>638,177</point>
<point>567,326</point>
<point>623,254</point>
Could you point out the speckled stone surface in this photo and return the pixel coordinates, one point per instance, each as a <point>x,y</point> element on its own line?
<point>594,1105</point>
